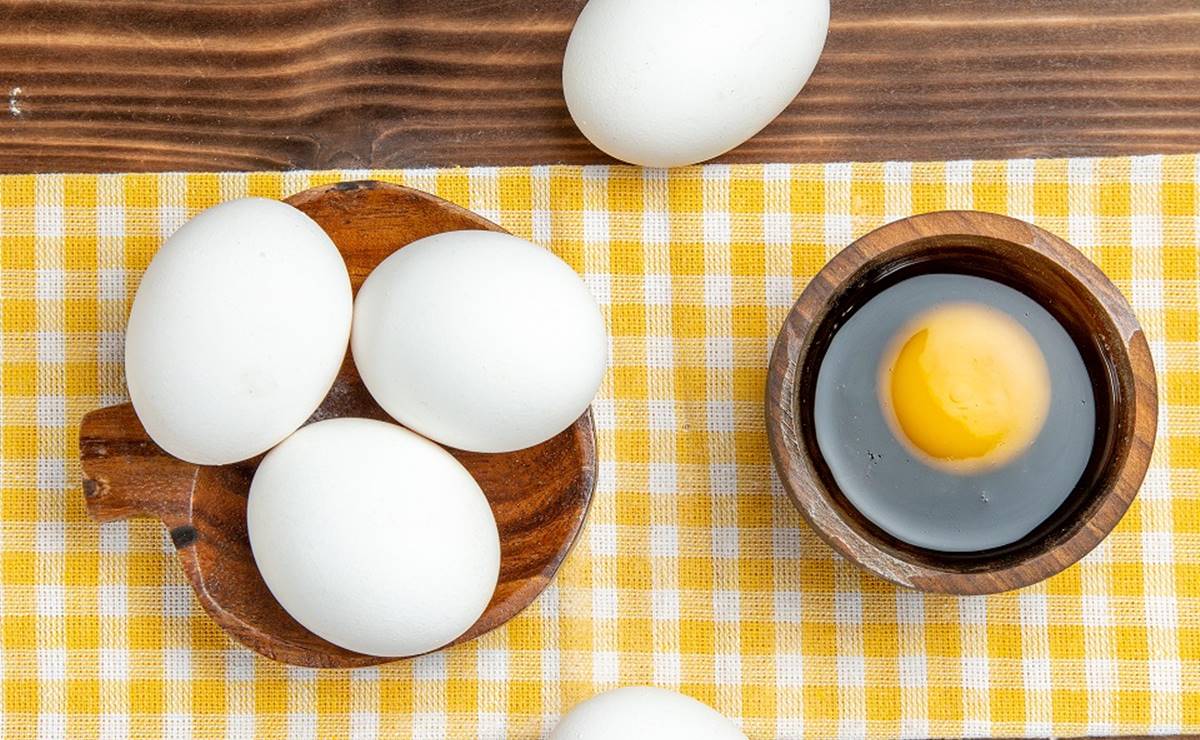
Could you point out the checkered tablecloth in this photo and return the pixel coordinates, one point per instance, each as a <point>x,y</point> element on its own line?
<point>694,571</point>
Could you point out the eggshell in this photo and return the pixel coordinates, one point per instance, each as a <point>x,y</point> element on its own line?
<point>479,340</point>
<point>237,331</point>
<point>372,537</point>
<point>644,713</point>
<point>664,83</point>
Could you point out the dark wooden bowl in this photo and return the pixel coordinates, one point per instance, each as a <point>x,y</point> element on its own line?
<point>539,495</point>
<point>1043,267</point>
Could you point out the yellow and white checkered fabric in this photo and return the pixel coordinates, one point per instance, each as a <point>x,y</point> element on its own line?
<point>694,572</point>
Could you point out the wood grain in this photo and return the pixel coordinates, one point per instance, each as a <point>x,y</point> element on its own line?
<point>137,85</point>
<point>539,495</point>
<point>1076,293</point>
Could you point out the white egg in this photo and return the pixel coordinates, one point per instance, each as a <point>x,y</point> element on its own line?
<point>372,537</point>
<point>665,83</point>
<point>644,713</point>
<point>237,331</point>
<point>479,340</point>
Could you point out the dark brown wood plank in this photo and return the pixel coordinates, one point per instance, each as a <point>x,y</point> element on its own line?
<point>92,85</point>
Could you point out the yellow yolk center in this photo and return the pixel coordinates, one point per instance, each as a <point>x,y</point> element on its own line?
<point>965,387</point>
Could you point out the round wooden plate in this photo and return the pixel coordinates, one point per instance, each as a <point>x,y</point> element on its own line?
<point>1051,272</point>
<point>539,495</point>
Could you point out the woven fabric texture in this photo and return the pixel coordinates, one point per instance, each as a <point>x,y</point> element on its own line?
<point>694,571</point>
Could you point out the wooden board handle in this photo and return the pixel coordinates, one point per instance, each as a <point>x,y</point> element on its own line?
<point>126,475</point>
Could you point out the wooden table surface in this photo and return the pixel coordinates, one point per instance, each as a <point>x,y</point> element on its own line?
<point>105,85</point>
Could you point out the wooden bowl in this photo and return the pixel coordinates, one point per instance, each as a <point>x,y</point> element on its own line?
<point>1043,267</point>
<point>539,495</point>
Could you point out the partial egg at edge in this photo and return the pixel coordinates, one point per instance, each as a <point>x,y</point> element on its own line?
<point>667,83</point>
<point>644,713</point>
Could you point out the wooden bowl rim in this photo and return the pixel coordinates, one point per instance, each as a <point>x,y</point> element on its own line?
<point>799,475</point>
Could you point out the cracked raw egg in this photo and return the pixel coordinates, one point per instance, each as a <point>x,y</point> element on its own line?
<point>954,412</point>
<point>964,387</point>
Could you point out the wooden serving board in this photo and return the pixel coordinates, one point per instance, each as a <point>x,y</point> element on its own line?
<point>539,495</point>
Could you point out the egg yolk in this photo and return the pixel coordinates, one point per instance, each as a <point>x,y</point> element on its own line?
<point>965,387</point>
